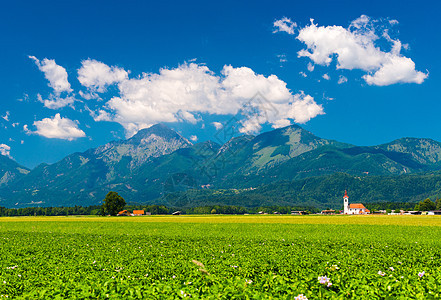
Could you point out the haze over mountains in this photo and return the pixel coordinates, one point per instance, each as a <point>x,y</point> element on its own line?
<point>157,165</point>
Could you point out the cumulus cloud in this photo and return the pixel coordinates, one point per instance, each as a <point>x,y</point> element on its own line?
<point>57,77</point>
<point>5,150</point>
<point>395,69</point>
<point>342,79</point>
<point>57,128</point>
<point>310,67</point>
<point>193,138</point>
<point>217,125</point>
<point>356,47</point>
<point>55,74</point>
<point>285,24</point>
<point>185,92</point>
<point>97,76</point>
<point>326,77</point>
<point>56,101</point>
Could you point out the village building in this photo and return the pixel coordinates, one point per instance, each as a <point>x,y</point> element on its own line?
<point>353,208</point>
<point>123,213</point>
<point>138,212</point>
<point>298,212</point>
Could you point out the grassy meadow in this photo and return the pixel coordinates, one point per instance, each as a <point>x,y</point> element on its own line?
<point>221,257</point>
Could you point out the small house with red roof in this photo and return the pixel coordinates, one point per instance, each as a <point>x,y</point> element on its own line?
<point>353,208</point>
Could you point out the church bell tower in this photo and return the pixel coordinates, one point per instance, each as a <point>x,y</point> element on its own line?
<point>346,203</point>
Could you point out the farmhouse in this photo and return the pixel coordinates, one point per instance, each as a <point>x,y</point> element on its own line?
<point>138,212</point>
<point>123,213</point>
<point>354,208</point>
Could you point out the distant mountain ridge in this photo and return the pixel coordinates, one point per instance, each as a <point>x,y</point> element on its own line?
<point>10,170</point>
<point>157,162</point>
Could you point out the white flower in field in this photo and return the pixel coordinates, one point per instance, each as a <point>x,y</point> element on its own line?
<point>325,280</point>
<point>19,275</point>
<point>248,281</point>
<point>421,274</point>
<point>173,276</point>
<point>300,297</point>
<point>381,273</point>
<point>12,268</point>
<point>94,262</point>
<point>4,282</point>
<point>184,294</point>
<point>392,268</point>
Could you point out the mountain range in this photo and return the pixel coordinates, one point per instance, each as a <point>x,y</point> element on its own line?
<point>285,166</point>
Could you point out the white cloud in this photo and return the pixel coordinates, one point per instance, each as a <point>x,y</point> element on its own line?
<point>396,69</point>
<point>217,125</point>
<point>100,115</point>
<point>5,150</point>
<point>181,94</point>
<point>285,24</point>
<point>355,48</point>
<point>89,95</point>
<point>193,138</point>
<point>326,77</point>
<point>97,76</point>
<point>303,74</point>
<point>310,67</point>
<point>6,116</point>
<point>57,128</point>
<point>57,77</point>
<point>56,101</point>
<point>342,79</point>
<point>186,116</point>
<point>55,74</point>
<point>303,108</point>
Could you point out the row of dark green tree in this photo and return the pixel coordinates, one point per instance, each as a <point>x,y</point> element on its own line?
<point>428,204</point>
<point>113,203</point>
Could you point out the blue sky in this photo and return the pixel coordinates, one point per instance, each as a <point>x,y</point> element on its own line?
<point>78,74</point>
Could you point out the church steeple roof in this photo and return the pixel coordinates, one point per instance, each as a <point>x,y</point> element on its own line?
<point>346,194</point>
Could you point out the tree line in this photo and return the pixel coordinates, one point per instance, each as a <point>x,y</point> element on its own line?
<point>113,203</point>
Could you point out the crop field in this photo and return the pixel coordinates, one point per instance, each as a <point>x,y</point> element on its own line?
<point>221,257</point>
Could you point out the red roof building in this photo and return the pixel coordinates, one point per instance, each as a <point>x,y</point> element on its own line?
<point>353,208</point>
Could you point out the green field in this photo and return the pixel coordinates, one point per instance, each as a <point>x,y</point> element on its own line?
<point>221,257</point>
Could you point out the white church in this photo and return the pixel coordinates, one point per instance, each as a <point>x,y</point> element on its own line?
<point>353,208</point>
